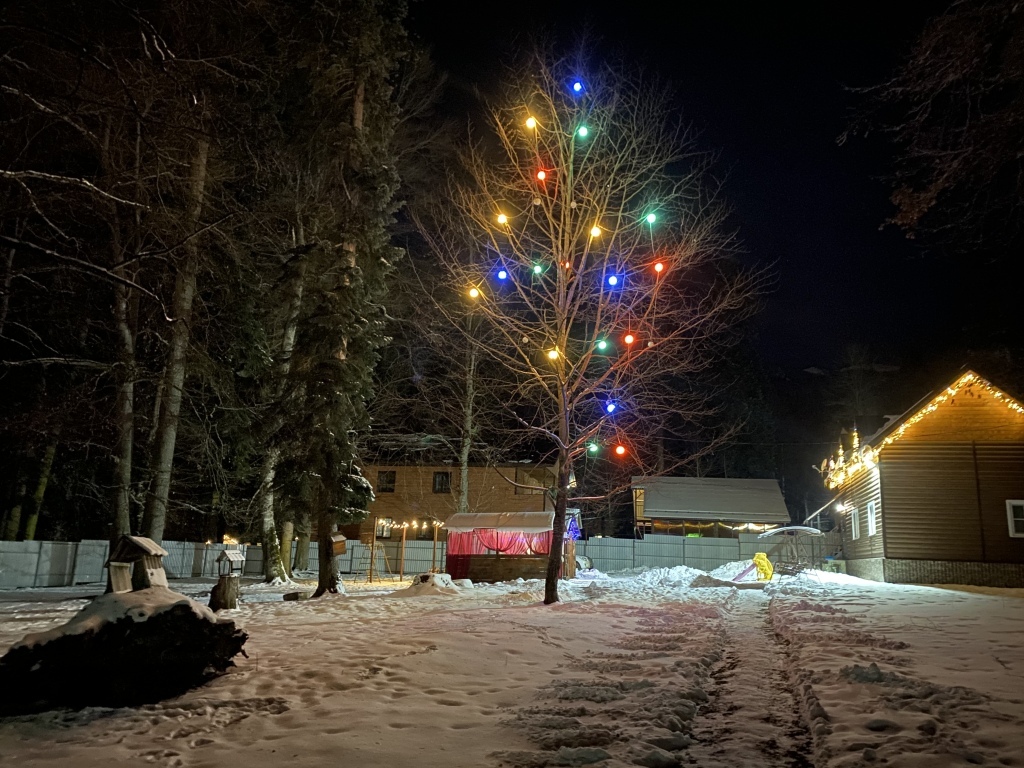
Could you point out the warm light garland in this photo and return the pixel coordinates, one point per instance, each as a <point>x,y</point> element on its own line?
<point>841,472</point>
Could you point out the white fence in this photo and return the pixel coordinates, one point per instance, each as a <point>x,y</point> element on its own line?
<point>59,564</point>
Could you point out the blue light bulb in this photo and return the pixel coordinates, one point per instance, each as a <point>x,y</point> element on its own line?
<point>502,274</point>
<point>610,407</point>
<point>577,86</point>
<point>613,279</point>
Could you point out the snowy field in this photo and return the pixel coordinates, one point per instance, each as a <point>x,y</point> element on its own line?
<point>631,669</point>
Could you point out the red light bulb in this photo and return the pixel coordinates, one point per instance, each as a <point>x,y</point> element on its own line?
<point>629,338</point>
<point>620,450</point>
<point>541,175</point>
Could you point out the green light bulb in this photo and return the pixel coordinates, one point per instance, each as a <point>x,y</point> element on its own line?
<point>651,218</point>
<point>582,131</point>
<point>537,269</point>
<point>602,345</point>
<point>592,447</point>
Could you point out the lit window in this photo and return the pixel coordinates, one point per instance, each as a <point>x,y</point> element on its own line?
<point>442,482</point>
<point>1015,517</point>
<point>872,519</point>
<point>854,523</point>
<point>386,481</point>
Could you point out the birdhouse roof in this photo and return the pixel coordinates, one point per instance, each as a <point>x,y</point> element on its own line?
<point>130,549</point>
<point>231,555</point>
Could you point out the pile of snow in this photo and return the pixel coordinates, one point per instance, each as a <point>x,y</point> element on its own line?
<point>110,608</point>
<point>429,584</point>
<point>677,577</point>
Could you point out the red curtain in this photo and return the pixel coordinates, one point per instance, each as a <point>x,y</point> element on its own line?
<point>481,540</point>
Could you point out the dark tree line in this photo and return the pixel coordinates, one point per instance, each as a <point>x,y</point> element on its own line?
<point>197,203</point>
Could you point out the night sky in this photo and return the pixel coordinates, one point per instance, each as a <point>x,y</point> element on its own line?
<point>768,86</point>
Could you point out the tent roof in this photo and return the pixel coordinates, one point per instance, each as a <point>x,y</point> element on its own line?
<point>740,500</point>
<point>527,522</point>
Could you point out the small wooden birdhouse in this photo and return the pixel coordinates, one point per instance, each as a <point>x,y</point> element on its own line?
<point>149,572</point>
<point>230,562</point>
<point>338,546</point>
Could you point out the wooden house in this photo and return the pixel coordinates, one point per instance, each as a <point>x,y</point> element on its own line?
<point>937,495</point>
<point>715,507</point>
<point>422,494</point>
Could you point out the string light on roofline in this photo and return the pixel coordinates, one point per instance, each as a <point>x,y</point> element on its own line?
<point>841,471</point>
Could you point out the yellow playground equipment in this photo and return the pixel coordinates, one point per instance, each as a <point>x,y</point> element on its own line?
<point>764,567</point>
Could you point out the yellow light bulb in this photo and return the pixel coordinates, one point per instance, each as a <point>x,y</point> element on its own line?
<point>595,231</point>
<point>474,293</point>
<point>531,123</point>
<point>553,354</point>
<point>502,218</point>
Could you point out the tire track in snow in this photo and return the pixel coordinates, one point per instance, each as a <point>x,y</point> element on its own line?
<point>752,717</point>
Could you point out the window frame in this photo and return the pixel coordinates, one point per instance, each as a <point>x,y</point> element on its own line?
<point>381,487</point>
<point>448,482</point>
<point>1010,504</point>
<point>854,524</point>
<point>872,513</point>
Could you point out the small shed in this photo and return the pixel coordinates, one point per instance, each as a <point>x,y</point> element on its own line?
<point>136,549</point>
<point>498,546</point>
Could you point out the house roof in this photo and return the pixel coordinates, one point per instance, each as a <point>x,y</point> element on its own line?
<point>526,522</point>
<point>129,549</point>
<point>741,500</point>
<point>866,455</point>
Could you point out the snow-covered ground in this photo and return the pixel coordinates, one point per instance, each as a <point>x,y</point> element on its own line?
<point>636,668</point>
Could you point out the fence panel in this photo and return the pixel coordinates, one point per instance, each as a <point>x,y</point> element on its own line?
<point>19,561</point>
<point>91,556</point>
<point>609,554</point>
<point>56,564</point>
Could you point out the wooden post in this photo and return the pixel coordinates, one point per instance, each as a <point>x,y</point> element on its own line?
<point>373,551</point>
<point>401,554</point>
<point>433,550</point>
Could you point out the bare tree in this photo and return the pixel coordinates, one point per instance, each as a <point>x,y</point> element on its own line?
<point>596,266</point>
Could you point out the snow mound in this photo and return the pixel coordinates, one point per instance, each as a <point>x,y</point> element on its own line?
<point>464,583</point>
<point>679,576</point>
<point>139,606</point>
<point>429,584</point>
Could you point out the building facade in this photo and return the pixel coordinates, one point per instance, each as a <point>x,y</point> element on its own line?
<point>937,495</point>
<point>420,495</point>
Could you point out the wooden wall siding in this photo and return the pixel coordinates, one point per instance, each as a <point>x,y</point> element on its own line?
<point>970,416</point>
<point>857,494</point>
<point>414,497</point>
<point>1000,477</point>
<point>930,501</point>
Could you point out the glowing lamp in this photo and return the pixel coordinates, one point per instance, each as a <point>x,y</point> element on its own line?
<point>613,280</point>
<point>651,218</point>
<point>577,86</point>
<point>502,218</point>
<point>659,267</point>
<point>610,407</point>
<point>537,269</point>
<point>502,274</point>
<point>541,175</point>
<point>602,345</point>
<point>474,293</point>
<point>595,231</point>
<point>552,354</point>
<point>531,123</point>
<point>620,450</point>
<point>592,448</point>
<point>582,132</point>
<point>629,338</point>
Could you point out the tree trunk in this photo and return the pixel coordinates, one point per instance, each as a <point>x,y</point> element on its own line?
<point>40,492</point>
<point>327,575</point>
<point>14,519</point>
<point>155,515</point>
<point>462,504</point>
<point>273,570</point>
<point>124,411</point>
<point>558,530</point>
<point>302,543</point>
<point>287,531</point>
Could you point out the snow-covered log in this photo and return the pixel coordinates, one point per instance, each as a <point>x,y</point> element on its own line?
<point>122,649</point>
